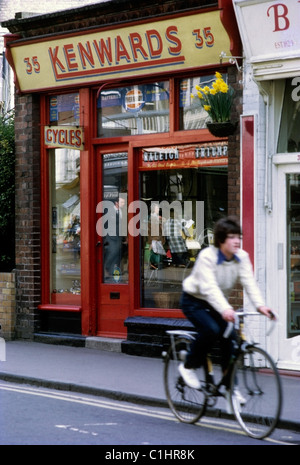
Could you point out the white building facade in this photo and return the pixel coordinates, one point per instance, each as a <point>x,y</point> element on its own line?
<point>272,98</point>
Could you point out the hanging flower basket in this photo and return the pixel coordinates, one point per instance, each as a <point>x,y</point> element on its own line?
<point>217,102</point>
<point>223,129</point>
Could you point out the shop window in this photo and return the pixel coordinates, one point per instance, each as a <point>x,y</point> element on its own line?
<point>293,269</point>
<point>192,115</point>
<point>133,110</point>
<point>65,226</point>
<point>289,136</point>
<point>64,109</point>
<point>172,238</point>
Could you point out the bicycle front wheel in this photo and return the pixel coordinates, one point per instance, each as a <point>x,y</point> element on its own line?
<point>187,404</point>
<point>256,392</point>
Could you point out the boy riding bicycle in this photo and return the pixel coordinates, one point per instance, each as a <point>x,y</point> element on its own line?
<point>205,294</point>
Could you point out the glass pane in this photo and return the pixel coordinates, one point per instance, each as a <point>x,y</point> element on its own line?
<point>65,225</point>
<point>289,135</point>
<point>114,219</point>
<point>174,237</point>
<point>64,109</point>
<point>140,109</point>
<point>293,235</point>
<point>192,115</point>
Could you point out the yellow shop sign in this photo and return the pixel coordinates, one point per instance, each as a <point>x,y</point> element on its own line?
<point>70,137</point>
<point>169,45</point>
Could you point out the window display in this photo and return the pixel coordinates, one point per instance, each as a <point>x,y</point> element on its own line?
<point>183,205</point>
<point>65,228</point>
<point>132,110</point>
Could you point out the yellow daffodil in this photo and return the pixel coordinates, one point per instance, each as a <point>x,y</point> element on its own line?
<point>224,88</point>
<point>217,99</point>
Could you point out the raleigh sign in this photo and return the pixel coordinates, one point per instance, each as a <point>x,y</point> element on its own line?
<point>184,156</point>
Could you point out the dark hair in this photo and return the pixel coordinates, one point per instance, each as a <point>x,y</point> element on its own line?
<point>225,226</point>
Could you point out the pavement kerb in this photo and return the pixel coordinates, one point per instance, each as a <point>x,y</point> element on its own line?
<point>122,396</point>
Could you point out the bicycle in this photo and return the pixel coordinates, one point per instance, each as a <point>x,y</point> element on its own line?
<point>256,405</point>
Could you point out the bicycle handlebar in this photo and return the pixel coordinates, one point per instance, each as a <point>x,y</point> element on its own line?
<point>238,314</point>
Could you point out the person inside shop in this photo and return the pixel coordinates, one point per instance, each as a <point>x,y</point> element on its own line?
<point>156,238</point>
<point>204,299</point>
<point>173,231</point>
<point>115,242</point>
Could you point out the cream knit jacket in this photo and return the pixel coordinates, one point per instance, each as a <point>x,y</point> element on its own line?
<point>213,282</point>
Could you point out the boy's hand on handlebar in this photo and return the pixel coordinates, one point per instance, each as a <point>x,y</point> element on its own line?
<point>267,312</point>
<point>229,315</point>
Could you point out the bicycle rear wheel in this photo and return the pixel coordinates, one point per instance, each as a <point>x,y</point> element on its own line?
<point>187,404</point>
<point>257,404</point>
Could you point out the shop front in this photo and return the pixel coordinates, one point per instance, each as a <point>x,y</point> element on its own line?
<point>131,179</point>
<point>273,62</point>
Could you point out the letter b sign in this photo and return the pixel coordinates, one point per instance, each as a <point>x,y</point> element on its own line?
<point>281,21</point>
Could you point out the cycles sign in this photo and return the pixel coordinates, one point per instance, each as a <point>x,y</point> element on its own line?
<point>70,137</point>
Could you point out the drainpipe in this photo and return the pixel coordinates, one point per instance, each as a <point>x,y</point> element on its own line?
<point>268,204</point>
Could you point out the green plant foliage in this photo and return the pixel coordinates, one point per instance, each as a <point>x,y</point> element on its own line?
<point>7,192</point>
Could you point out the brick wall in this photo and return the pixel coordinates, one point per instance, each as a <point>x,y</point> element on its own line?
<point>27,214</point>
<point>7,305</point>
<point>234,166</point>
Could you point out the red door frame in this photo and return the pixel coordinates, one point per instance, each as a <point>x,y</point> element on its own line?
<point>247,165</point>
<point>175,137</point>
<point>113,299</point>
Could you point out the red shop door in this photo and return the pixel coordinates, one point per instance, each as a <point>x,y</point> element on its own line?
<point>112,244</point>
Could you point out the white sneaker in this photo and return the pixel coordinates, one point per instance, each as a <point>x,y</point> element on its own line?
<point>189,377</point>
<point>237,397</point>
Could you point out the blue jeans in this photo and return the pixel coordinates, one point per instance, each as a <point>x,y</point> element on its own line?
<point>210,327</point>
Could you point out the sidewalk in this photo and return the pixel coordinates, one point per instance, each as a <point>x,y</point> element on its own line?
<point>110,374</point>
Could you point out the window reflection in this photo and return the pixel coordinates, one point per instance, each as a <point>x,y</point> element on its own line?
<point>192,115</point>
<point>289,136</point>
<point>65,225</point>
<point>64,109</point>
<point>132,110</point>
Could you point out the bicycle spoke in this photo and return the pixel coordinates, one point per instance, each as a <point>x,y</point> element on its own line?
<point>257,404</point>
